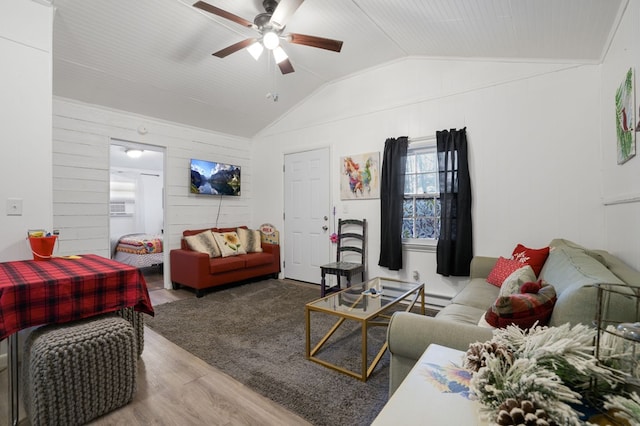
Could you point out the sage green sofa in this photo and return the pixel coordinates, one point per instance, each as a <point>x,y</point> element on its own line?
<point>573,271</point>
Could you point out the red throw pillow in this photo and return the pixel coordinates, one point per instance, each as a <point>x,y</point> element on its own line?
<point>532,257</point>
<point>523,309</point>
<point>502,269</point>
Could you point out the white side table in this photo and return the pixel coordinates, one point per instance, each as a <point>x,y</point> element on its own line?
<point>435,392</point>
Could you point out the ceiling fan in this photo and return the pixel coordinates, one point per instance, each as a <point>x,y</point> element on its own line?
<point>270,25</point>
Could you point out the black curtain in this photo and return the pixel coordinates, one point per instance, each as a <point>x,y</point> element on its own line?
<point>455,244</point>
<point>391,196</point>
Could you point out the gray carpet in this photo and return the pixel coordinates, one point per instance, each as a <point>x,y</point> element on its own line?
<point>255,332</point>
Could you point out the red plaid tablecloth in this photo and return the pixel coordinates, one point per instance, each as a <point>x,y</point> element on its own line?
<point>61,290</point>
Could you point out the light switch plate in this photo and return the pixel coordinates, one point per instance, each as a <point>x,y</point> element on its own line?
<point>14,206</point>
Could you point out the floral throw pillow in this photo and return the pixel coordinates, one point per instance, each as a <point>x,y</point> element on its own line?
<point>229,243</point>
<point>250,239</point>
<point>203,242</point>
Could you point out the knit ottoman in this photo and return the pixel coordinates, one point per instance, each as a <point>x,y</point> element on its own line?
<point>137,322</point>
<point>75,372</point>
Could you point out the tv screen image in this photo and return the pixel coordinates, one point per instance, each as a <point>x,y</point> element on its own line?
<point>213,178</point>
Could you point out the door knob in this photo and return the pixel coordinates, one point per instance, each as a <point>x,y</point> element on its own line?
<point>326,218</point>
<point>324,228</point>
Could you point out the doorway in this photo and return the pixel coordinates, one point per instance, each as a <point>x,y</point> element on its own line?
<point>307,208</point>
<point>136,207</point>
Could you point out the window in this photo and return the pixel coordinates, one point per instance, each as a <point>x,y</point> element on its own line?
<point>421,206</point>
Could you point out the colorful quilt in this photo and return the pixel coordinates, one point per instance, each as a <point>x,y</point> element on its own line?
<point>140,244</point>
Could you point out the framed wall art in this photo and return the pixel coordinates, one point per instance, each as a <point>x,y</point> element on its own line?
<point>625,119</point>
<point>360,176</point>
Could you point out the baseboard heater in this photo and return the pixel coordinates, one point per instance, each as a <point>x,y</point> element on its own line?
<point>436,301</point>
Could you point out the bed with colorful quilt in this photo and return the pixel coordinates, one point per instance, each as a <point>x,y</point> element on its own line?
<point>139,250</point>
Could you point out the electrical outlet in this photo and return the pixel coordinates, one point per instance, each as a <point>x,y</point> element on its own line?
<point>14,206</point>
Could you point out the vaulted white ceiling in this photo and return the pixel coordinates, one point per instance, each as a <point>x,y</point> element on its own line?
<point>153,57</point>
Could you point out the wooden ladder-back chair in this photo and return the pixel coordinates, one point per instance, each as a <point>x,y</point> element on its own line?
<point>350,254</point>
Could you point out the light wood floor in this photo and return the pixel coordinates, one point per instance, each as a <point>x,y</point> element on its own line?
<point>177,388</point>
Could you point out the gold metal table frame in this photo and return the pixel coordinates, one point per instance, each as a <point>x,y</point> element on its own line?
<point>355,309</point>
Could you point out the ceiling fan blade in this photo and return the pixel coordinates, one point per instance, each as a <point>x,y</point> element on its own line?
<point>313,41</point>
<point>222,13</point>
<point>234,47</point>
<point>285,67</point>
<point>283,12</point>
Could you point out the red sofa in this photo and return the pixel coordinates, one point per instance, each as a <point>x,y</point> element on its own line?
<point>196,270</point>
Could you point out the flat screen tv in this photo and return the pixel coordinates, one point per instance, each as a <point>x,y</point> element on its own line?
<point>212,178</point>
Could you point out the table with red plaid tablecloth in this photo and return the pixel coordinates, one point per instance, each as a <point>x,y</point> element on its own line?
<point>67,289</point>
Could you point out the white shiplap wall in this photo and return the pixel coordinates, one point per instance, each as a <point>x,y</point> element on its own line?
<point>80,187</point>
<point>81,137</point>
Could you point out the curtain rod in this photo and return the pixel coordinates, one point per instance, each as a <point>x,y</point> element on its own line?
<point>422,139</point>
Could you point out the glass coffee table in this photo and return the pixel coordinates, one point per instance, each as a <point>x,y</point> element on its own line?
<point>367,303</point>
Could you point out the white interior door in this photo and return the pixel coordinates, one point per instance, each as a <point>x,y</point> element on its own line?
<point>307,208</point>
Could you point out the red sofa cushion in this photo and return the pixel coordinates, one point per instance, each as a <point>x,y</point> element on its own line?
<point>257,259</point>
<point>225,264</point>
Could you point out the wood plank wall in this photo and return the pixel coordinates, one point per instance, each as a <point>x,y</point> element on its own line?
<point>81,138</point>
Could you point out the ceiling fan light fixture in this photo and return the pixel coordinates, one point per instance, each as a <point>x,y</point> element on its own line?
<point>270,40</point>
<point>255,50</point>
<point>279,54</point>
<point>269,27</point>
<point>134,153</point>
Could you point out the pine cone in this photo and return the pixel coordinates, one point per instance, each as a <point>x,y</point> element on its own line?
<point>478,352</point>
<point>525,413</point>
